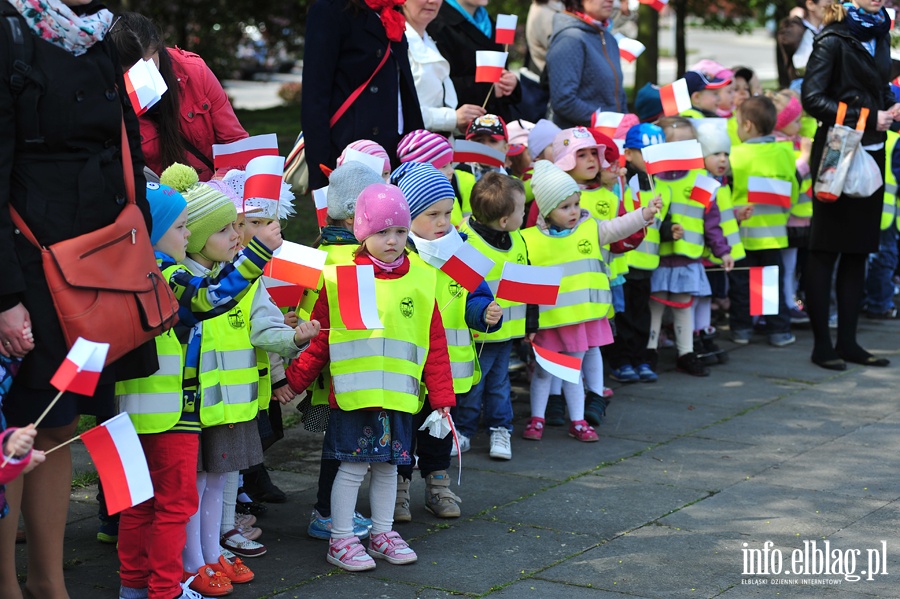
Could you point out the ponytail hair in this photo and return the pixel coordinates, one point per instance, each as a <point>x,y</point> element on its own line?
<point>834,13</point>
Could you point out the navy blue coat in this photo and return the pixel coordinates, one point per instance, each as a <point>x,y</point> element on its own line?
<point>344,45</point>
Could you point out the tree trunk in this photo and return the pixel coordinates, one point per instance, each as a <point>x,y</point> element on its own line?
<point>680,43</point>
<point>646,70</point>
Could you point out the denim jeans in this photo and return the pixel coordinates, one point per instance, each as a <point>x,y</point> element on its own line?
<point>490,395</point>
<point>739,292</point>
<point>879,281</point>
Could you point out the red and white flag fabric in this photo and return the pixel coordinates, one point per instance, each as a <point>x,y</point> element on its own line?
<point>568,368</point>
<point>774,192</point>
<point>320,197</point>
<point>356,297</point>
<point>80,371</point>
<point>468,267</point>
<point>298,264</point>
<point>892,15</point>
<point>144,85</point>
<point>506,29</point>
<point>284,294</point>
<point>240,153</point>
<point>120,461</point>
<point>630,49</point>
<point>704,190</point>
<point>657,5</point>
<point>489,65</point>
<point>673,156</point>
<point>265,174</point>
<point>765,293</point>
<point>373,162</point>
<point>675,97</point>
<point>472,151</point>
<point>530,284</point>
<point>606,122</point>
<point>623,159</point>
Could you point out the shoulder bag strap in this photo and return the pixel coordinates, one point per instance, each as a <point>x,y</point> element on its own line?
<point>196,152</point>
<point>349,101</point>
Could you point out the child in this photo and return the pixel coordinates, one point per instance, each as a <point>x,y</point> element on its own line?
<point>746,85</point>
<point>164,412</point>
<point>567,236</point>
<point>490,130</point>
<point>16,443</point>
<point>498,207</point>
<point>424,146</point>
<point>765,233</point>
<point>712,69</point>
<point>371,148</point>
<point>704,93</point>
<point>518,157</point>
<point>431,198</point>
<point>370,424</point>
<point>540,140</point>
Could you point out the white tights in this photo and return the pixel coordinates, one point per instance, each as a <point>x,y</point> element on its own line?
<point>683,320</point>
<point>203,528</point>
<point>543,383</point>
<point>382,496</point>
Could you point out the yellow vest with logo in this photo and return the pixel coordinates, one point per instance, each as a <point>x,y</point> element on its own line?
<point>513,325</point>
<point>462,208</point>
<point>603,204</point>
<point>767,228</point>
<point>383,368</point>
<point>889,208</point>
<point>154,403</point>
<point>729,225</point>
<point>646,255</point>
<point>584,292</point>
<point>685,212</point>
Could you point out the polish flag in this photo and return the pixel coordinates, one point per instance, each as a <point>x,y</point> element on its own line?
<point>145,85</point>
<point>620,143</point>
<point>630,49</point>
<point>80,371</point>
<point>657,5</point>
<point>764,290</point>
<point>265,174</point>
<point>298,264</point>
<point>285,295</point>
<point>320,196</point>
<point>472,151</point>
<point>468,267</point>
<point>506,29</point>
<point>373,162</point>
<point>489,65</point>
<point>356,297</point>
<point>568,368</point>
<point>675,98</point>
<point>530,284</point>
<point>241,152</point>
<point>892,15</point>
<point>774,192</point>
<point>119,458</point>
<point>704,190</point>
<point>606,122</point>
<point>673,156</point>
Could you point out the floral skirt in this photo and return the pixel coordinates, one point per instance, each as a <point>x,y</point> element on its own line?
<point>369,436</point>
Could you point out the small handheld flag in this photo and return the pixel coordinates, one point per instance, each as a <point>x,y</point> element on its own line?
<point>568,368</point>
<point>606,122</point>
<point>656,5</point>
<point>673,156</point>
<point>675,97</point>
<point>145,86</point>
<point>356,297</point>
<point>320,197</point>
<point>119,457</point>
<point>704,190</point>
<point>489,65</point>
<point>298,264</point>
<point>630,49</point>
<point>774,192</point>
<point>373,162</point>
<point>765,291</point>
<point>80,371</point>
<point>506,29</point>
<point>240,153</point>
<point>285,295</point>
<point>472,151</point>
<point>264,178</point>
<point>468,267</point>
<point>530,284</point>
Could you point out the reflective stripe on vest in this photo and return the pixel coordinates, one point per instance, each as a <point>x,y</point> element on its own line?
<point>646,255</point>
<point>730,227</point>
<point>767,228</point>
<point>889,208</point>
<point>685,212</point>
<point>763,236</point>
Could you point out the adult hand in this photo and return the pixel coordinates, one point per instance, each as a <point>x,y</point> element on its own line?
<point>467,113</point>
<point>895,110</point>
<point>885,120</point>
<point>283,394</point>
<point>270,235</point>
<point>506,85</point>
<point>16,339</point>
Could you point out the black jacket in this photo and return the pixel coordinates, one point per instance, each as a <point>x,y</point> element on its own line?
<point>457,40</point>
<point>344,45</point>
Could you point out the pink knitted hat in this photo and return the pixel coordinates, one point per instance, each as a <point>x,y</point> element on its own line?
<point>367,146</point>
<point>379,207</point>
<point>567,143</point>
<point>424,146</point>
<point>788,114</point>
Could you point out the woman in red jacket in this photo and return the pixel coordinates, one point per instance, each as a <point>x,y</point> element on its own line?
<point>182,126</point>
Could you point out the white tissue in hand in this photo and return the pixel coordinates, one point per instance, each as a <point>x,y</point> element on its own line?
<point>437,425</point>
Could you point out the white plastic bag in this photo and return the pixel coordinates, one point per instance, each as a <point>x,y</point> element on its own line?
<point>864,177</point>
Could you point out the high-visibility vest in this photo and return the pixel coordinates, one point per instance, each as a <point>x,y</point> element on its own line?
<point>646,255</point>
<point>731,126</point>
<point>513,325</point>
<point>603,204</point>
<point>685,212</point>
<point>730,227</point>
<point>889,208</point>
<point>233,376</point>
<point>154,403</point>
<point>767,228</point>
<point>462,208</point>
<point>584,293</point>
<point>692,113</point>
<point>383,368</point>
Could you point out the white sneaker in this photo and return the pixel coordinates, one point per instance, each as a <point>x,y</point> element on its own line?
<point>464,445</point>
<point>501,448</point>
<point>187,592</point>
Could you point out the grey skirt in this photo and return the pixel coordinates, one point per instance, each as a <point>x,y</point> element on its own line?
<point>230,447</point>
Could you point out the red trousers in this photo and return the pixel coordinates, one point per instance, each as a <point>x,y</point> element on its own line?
<point>152,534</point>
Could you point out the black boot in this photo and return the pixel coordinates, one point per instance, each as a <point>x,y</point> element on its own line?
<point>706,357</point>
<point>594,408</point>
<point>692,365</point>
<point>556,411</point>
<point>260,487</point>
<point>707,338</point>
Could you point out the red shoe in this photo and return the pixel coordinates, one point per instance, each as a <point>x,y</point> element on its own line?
<point>211,583</point>
<point>534,430</point>
<point>582,431</point>
<point>235,570</point>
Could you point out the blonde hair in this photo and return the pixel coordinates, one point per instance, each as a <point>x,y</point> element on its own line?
<point>834,13</point>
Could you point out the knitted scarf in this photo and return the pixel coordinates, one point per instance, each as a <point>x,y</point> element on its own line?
<point>393,21</point>
<point>54,22</point>
<point>866,26</point>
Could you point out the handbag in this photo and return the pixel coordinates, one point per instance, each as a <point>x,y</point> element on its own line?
<point>296,169</point>
<point>106,285</point>
<point>841,144</point>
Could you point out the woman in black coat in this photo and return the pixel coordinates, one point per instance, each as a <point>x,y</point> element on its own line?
<point>850,63</point>
<point>458,38</point>
<point>346,40</point>
<point>61,168</point>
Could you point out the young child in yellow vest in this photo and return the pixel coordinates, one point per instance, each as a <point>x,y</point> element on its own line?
<point>367,146</point>
<point>152,535</point>
<point>489,130</point>
<point>540,144</point>
<point>567,235</point>
<point>424,146</point>
<point>431,199</point>
<point>370,424</point>
<point>230,387</point>
<point>687,228</point>
<point>498,208</point>
<point>704,91</point>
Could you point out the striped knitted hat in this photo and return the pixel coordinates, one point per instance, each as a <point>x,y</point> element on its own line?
<point>552,186</point>
<point>422,185</point>
<point>424,146</point>
<point>367,146</point>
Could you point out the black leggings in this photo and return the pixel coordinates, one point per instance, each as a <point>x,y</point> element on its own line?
<point>849,287</point>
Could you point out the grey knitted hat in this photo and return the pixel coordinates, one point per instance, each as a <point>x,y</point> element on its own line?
<point>344,186</point>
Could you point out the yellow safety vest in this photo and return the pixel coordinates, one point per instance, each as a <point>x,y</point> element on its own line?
<point>584,293</point>
<point>462,208</point>
<point>692,113</point>
<point>889,208</point>
<point>730,227</point>
<point>383,368</point>
<point>767,228</point>
<point>646,255</point>
<point>154,403</point>
<point>685,212</point>
<point>513,326</point>
<point>731,126</point>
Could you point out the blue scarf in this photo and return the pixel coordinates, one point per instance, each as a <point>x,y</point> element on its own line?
<point>866,26</point>
<point>481,20</point>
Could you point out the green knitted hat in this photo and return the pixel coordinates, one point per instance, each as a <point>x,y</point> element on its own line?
<point>208,210</point>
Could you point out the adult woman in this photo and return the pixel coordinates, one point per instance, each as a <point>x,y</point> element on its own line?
<point>192,116</point>
<point>583,64</point>
<point>539,28</point>
<point>813,21</point>
<point>62,171</point>
<point>850,63</point>
<point>355,46</point>
<point>461,28</point>
<point>431,72</point>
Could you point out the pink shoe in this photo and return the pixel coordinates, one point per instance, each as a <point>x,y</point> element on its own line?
<point>607,392</point>
<point>534,430</point>
<point>389,546</point>
<point>582,431</point>
<point>349,554</point>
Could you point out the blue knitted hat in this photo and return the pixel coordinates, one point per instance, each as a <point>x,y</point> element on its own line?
<point>422,185</point>
<point>166,205</point>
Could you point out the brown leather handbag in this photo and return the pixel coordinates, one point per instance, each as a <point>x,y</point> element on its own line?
<point>106,285</point>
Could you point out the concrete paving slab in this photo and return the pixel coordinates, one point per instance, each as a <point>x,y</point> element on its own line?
<point>655,422</point>
<point>543,589</point>
<point>797,591</point>
<point>343,584</point>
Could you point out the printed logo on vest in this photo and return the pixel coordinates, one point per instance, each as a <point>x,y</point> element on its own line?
<point>454,288</point>
<point>602,207</point>
<point>585,247</point>
<point>406,307</point>
<point>520,259</point>
<point>236,319</point>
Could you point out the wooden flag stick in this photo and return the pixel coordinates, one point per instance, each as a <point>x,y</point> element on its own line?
<point>50,407</point>
<point>62,444</point>
<point>488,97</point>
<point>735,268</point>
<point>451,300</point>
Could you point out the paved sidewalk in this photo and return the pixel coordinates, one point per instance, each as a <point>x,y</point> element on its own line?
<point>689,476</point>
